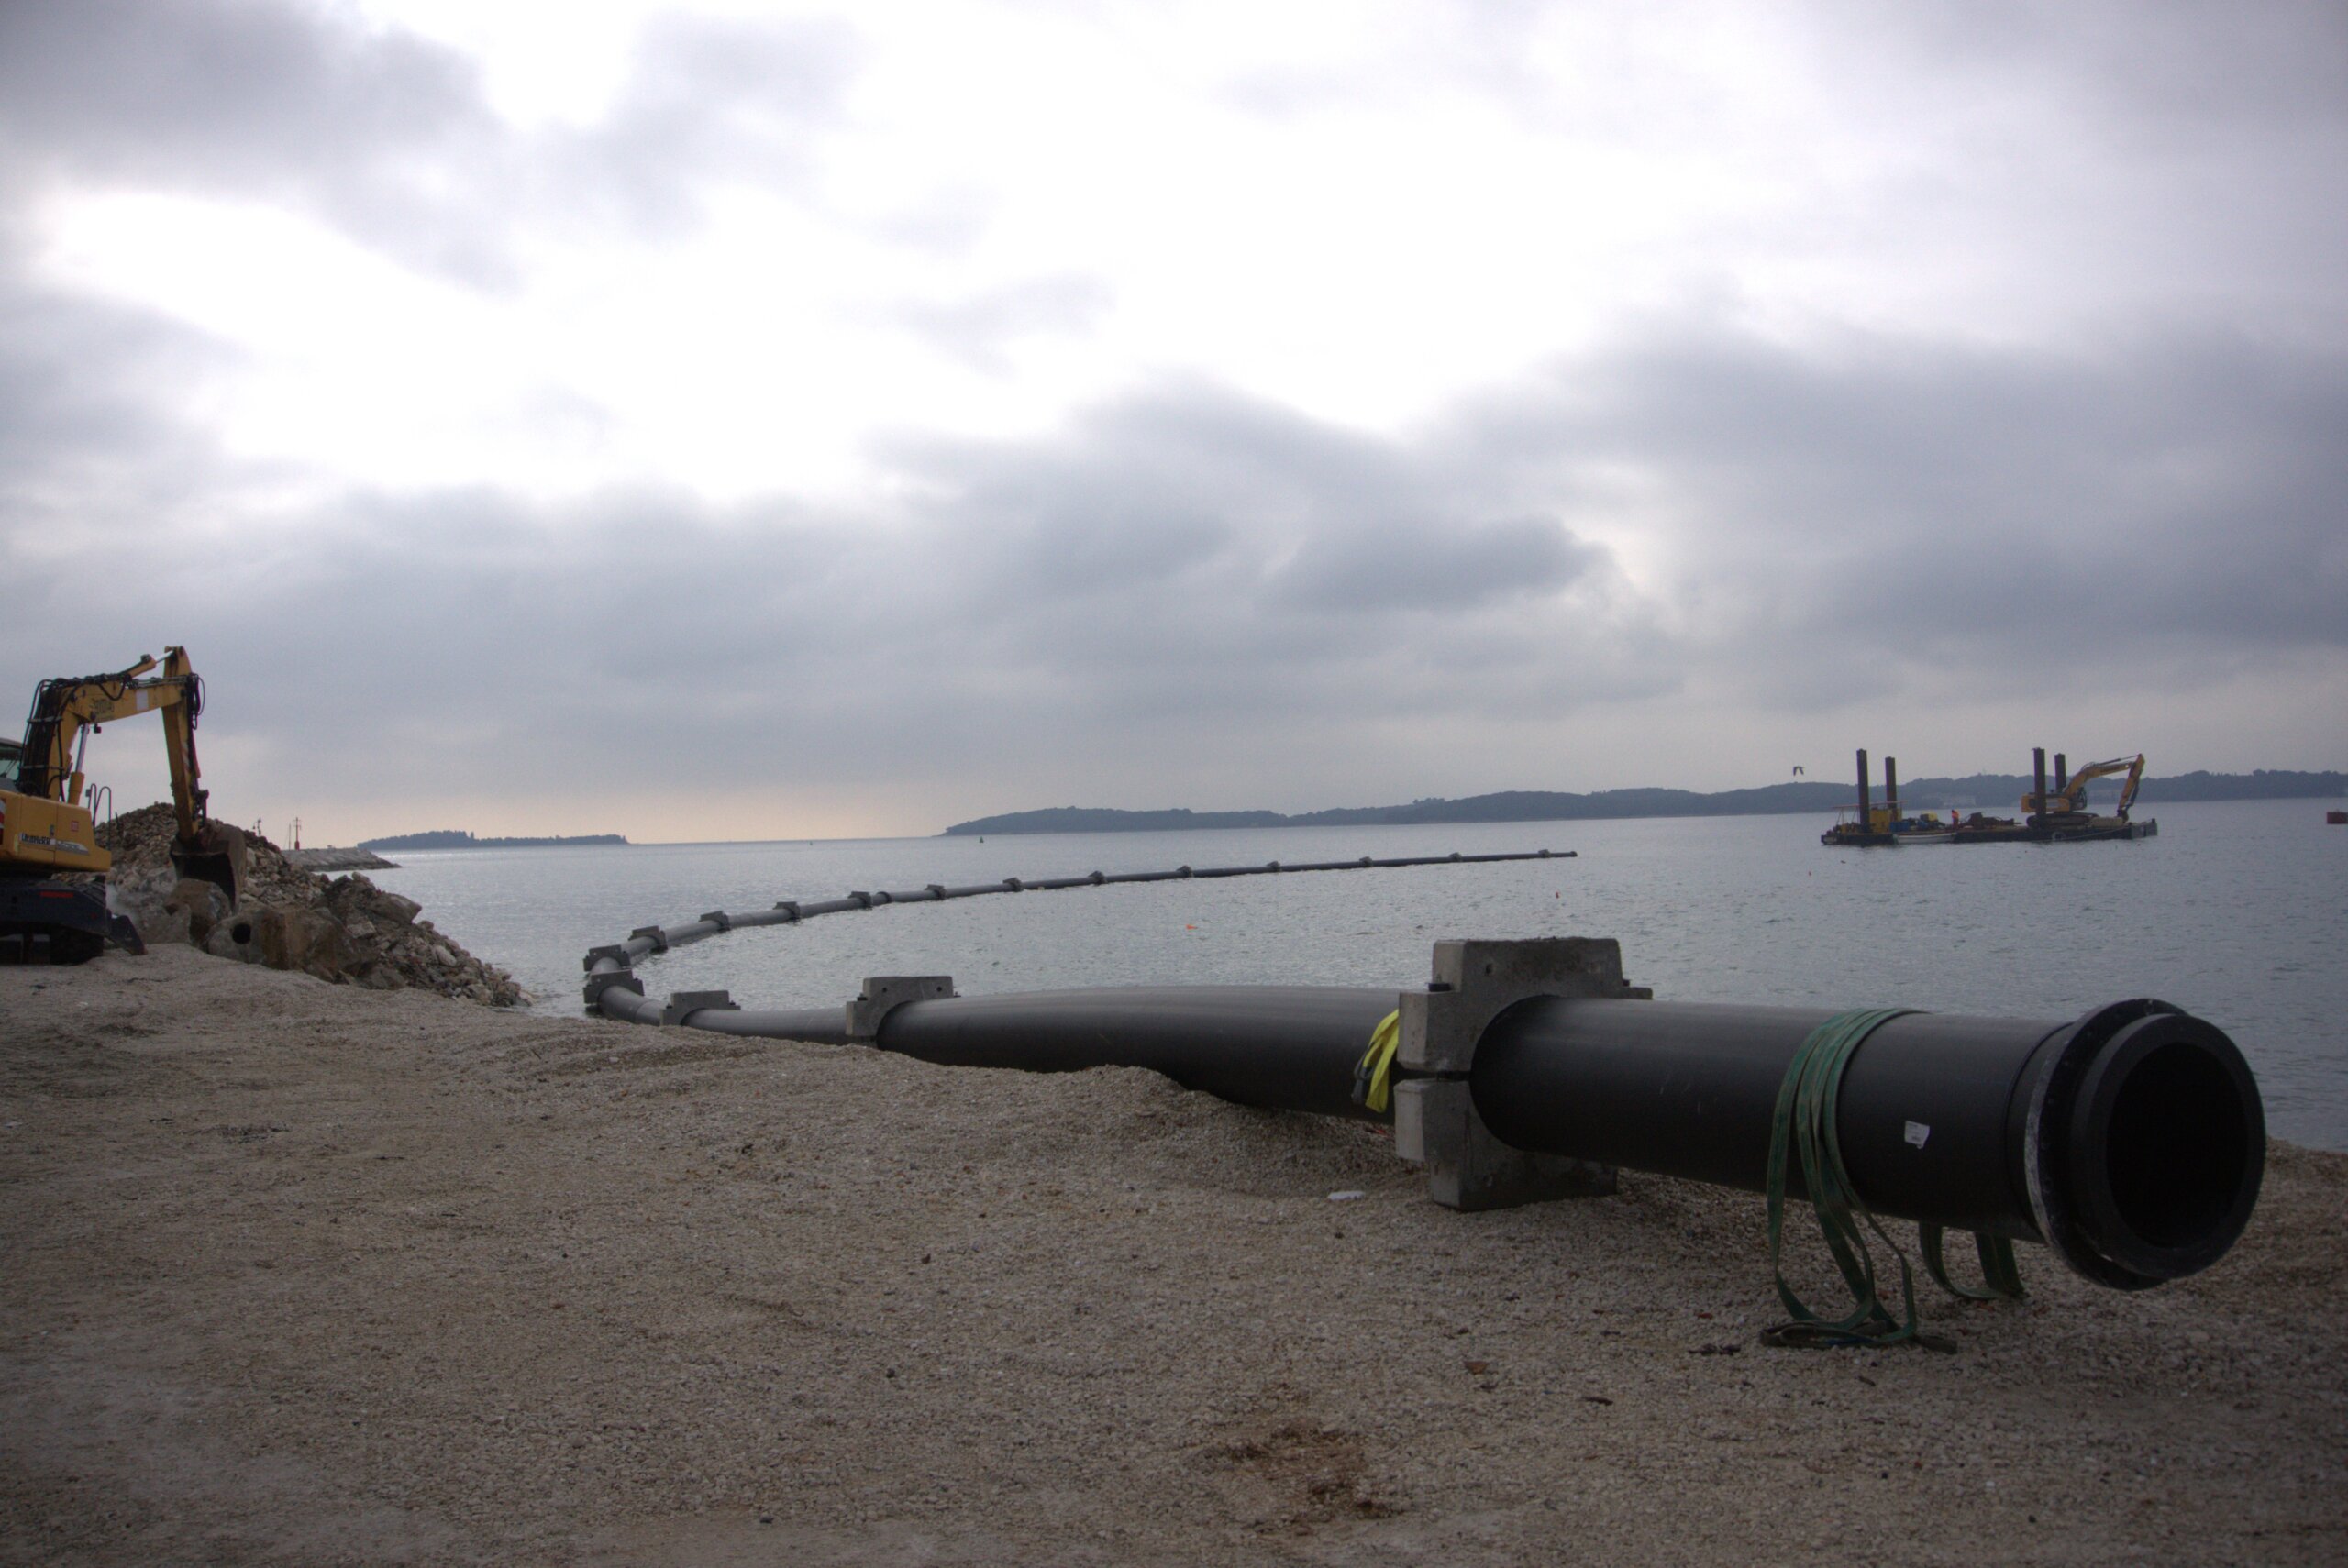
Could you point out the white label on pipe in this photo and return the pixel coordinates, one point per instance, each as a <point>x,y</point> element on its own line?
<point>1918,1133</point>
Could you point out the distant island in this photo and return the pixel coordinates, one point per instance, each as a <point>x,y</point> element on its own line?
<point>1985,791</point>
<point>451,838</point>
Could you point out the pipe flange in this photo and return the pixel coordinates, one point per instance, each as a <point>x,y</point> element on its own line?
<point>2098,1199</point>
<point>2046,1139</point>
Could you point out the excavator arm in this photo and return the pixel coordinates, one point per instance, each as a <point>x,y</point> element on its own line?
<point>2128,790</point>
<point>2074,797</point>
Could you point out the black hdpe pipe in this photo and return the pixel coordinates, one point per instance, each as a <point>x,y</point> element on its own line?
<point>2131,1141</point>
<point>1278,1048</point>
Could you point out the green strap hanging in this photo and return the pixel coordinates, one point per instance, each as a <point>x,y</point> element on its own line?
<point>2001,1275</point>
<point>1805,1122</point>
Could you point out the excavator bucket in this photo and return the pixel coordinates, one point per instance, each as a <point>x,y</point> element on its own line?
<point>123,934</point>
<point>216,855</point>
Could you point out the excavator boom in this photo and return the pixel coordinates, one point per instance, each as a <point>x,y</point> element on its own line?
<point>2075,797</point>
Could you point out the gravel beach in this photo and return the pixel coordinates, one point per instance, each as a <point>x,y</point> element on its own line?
<point>303,1274</point>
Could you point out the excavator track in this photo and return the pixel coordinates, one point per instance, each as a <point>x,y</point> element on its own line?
<point>61,922</point>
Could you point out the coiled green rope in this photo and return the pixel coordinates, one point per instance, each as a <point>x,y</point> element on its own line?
<point>1805,1120</point>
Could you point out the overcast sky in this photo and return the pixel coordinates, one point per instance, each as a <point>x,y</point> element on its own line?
<point>766,420</point>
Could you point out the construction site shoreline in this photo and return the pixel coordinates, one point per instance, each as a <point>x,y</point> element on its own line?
<point>404,1277</point>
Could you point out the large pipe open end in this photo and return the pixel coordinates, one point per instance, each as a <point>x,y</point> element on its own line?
<point>2144,1144</point>
<point>2130,1141</point>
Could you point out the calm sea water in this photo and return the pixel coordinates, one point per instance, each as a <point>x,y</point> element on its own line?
<point>2238,911</point>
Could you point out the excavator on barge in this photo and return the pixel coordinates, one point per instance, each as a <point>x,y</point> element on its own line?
<point>52,897</point>
<point>2062,812</point>
<point>2056,815</point>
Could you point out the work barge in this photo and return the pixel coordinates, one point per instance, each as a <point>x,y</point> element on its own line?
<point>2056,816</point>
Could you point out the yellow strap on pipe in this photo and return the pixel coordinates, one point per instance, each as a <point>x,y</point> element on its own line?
<point>1374,1078</point>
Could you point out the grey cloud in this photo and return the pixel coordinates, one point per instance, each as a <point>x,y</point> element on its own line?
<point>86,445</point>
<point>707,98</point>
<point>2175,70</point>
<point>947,222</point>
<point>1187,577</point>
<point>256,97</point>
<point>389,136</point>
<point>2188,482</point>
<point>981,329</point>
<point>1442,568</point>
<point>2189,147</point>
<point>1188,556</point>
<point>1190,491</point>
<point>2166,504</point>
<point>1180,441</point>
<point>2171,70</point>
<point>224,91</point>
<point>1132,576</point>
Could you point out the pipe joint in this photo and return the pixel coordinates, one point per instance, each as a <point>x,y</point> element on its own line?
<point>884,993</point>
<point>1475,982</point>
<point>683,1005</point>
<point>603,980</point>
<point>1435,1120</point>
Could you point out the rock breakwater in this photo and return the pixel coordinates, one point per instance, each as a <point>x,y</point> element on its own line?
<point>342,929</point>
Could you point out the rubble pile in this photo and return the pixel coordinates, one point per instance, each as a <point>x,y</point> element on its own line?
<point>343,929</point>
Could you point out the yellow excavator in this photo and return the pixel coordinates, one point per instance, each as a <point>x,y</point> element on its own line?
<point>2068,803</point>
<point>46,828</point>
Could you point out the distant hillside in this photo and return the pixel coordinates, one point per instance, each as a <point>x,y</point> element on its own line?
<point>1986,791</point>
<point>454,838</point>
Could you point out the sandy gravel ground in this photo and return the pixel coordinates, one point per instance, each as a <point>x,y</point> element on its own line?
<point>294,1274</point>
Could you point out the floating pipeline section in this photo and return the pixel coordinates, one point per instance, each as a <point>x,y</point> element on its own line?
<point>611,967</point>
<point>2130,1141</point>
